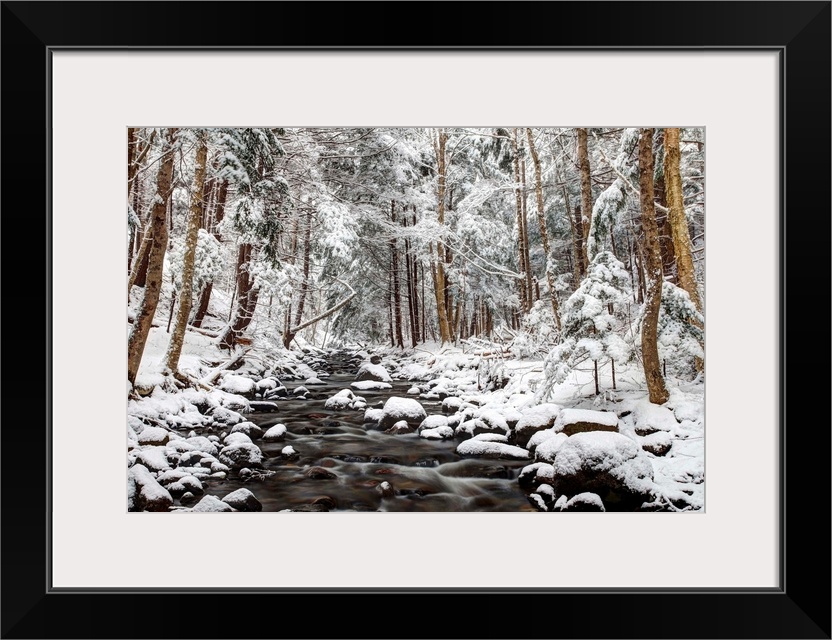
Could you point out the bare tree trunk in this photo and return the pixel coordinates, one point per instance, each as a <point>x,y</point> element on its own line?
<point>577,260</point>
<point>194,220</point>
<point>686,276</point>
<point>522,230</point>
<point>439,280</point>
<point>246,299</point>
<point>219,211</point>
<point>586,193</point>
<point>541,221</point>
<point>662,219</point>
<point>397,296</point>
<point>289,335</point>
<point>649,329</point>
<point>678,221</point>
<point>412,302</point>
<point>156,255</point>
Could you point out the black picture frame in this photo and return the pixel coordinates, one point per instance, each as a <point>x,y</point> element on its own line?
<point>799,608</point>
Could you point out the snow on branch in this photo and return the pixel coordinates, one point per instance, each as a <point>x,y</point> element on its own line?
<point>328,312</point>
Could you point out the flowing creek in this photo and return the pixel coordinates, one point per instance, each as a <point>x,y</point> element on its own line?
<point>350,460</point>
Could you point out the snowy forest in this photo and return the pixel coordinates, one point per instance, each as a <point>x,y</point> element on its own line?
<point>415,319</point>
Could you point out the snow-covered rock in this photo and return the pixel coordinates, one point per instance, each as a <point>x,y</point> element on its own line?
<point>249,428</point>
<point>373,416</point>
<point>572,421</point>
<point>236,438</point>
<point>275,433</point>
<point>201,443</point>
<point>344,399</point>
<point>225,416</point>
<point>534,419</point>
<point>586,501</point>
<point>548,448</point>
<point>266,384</point>
<point>494,420</point>
<point>536,473</point>
<point>243,500</point>
<point>650,418</point>
<point>414,391</point>
<point>451,404</point>
<point>300,391</point>
<point>237,456</point>
<point>657,443</point>
<point>314,380</point>
<point>407,409</point>
<point>154,436</point>
<point>443,432</point>
<point>399,428</point>
<point>476,447</point>
<point>239,385</point>
<point>371,385</point>
<point>609,464</point>
<point>144,493</point>
<point>211,504</point>
<point>432,422</point>
<point>370,371</point>
<point>288,451</point>
<point>153,458</point>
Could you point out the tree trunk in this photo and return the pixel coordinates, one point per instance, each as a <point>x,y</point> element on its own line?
<point>219,210</point>
<point>653,266</point>
<point>541,221</point>
<point>678,221</point>
<point>412,308</point>
<point>522,229</point>
<point>194,220</point>
<point>156,255</point>
<point>586,193</point>
<point>577,260</point>
<point>246,299</point>
<point>397,296</point>
<point>662,219</point>
<point>289,335</point>
<point>439,280</point>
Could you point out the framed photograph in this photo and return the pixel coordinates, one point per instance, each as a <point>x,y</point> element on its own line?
<point>750,80</point>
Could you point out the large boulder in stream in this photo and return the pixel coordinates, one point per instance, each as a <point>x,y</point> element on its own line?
<point>243,500</point>
<point>240,455</point>
<point>397,409</point>
<point>370,371</point>
<point>608,464</point>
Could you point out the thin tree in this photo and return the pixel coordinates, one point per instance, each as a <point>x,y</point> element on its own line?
<point>541,221</point>
<point>439,271</point>
<point>676,215</point>
<point>194,220</point>
<point>586,195</point>
<point>156,255</point>
<point>653,267</point>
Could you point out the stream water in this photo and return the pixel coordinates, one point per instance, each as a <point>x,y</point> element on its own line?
<point>341,463</point>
